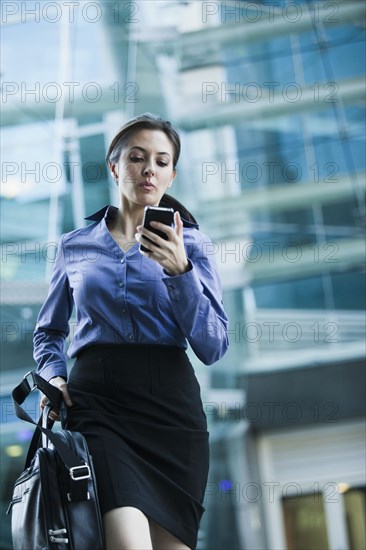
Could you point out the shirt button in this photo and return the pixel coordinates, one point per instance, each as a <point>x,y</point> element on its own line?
<point>121,284</point>
<point>122,260</point>
<point>130,336</point>
<point>124,310</point>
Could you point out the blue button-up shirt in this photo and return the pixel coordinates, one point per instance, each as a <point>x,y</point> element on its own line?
<point>124,297</point>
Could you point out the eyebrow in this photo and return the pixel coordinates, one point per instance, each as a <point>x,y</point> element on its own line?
<point>144,150</point>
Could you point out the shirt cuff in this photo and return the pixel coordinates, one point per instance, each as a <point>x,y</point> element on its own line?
<point>56,369</point>
<point>185,287</point>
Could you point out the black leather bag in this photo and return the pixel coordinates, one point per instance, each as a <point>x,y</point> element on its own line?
<point>55,502</point>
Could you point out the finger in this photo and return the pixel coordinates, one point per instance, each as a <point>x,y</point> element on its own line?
<point>65,394</point>
<point>148,234</point>
<point>167,229</point>
<point>154,243</point>
<point>178,224</point>
<point>67,397</point>
<point>145,243</point>
<point>43,402</point>
<point>53,415</point>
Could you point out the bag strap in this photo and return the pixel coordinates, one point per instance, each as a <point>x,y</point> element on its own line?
<point>37,438</point>
<point>78,469</point>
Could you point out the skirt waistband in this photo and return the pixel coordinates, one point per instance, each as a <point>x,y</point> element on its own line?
<point>132,351</point>
<point>136,364</point>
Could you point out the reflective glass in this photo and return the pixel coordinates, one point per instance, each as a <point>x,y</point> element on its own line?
<point>305,523</point>
<point>355,510</point>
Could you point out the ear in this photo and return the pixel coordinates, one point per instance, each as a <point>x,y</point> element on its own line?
<point>173,178</point>
<point>113,170</point>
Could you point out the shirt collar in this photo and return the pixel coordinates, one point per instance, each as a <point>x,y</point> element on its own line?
<point>109,212</point>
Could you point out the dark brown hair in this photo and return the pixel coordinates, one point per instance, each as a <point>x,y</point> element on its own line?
<point>170,202</point>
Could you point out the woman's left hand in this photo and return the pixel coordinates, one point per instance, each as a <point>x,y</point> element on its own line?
<point>170,254</point>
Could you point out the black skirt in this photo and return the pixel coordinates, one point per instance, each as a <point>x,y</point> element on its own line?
<point>140,409</point>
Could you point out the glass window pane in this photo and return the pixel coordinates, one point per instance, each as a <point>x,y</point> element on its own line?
<point>341,56</point>
<point>355,509</point>
<point>24,240</point>
<point>305,523</point>
<point>274,231</point>
<point>342,215</point>
<point>349,290</point>
<point>233,301</point>
<point>95,174</point>
<point>290,294</point>
<point>336,155</point>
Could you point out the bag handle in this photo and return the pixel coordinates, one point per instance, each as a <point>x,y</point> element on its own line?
<point>31,381</point>
<point>78,469</point>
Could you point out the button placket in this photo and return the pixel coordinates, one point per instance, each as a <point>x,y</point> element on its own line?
<point>122,286</point>
<point>121,275</point>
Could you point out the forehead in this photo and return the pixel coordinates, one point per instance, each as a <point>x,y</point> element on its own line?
<point>151,140</point>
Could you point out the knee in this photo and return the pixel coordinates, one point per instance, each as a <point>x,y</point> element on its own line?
<point>163,539</point>
<point>126,528</point>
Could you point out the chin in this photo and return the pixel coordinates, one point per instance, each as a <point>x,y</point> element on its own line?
<point>147,201</point>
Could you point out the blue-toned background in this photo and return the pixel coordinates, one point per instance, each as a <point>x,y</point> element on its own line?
<point>269,99</point>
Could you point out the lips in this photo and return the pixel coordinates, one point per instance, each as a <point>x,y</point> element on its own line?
<point>147,186</point>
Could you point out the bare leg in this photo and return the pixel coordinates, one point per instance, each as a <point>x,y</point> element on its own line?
<point>126,528</point>
<point>163,539</point>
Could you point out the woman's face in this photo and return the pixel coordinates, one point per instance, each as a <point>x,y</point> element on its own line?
<point>145,168</point>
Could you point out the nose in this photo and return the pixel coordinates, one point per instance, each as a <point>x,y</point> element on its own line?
<point>148,170</point>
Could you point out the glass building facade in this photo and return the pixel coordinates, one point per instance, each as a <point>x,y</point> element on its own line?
<point>269,99</point>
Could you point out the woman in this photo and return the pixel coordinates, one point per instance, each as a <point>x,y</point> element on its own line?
<point>132,390</point>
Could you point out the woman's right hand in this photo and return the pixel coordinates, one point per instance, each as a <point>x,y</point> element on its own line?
<point>61,384</point>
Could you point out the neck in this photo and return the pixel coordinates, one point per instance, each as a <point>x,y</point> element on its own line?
<point>130,215</point>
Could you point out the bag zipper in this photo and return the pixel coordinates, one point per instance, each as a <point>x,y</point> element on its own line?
<point>53,532</point>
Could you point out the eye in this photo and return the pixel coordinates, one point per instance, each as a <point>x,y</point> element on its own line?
<point>136,159</point>
<point>162,163</point>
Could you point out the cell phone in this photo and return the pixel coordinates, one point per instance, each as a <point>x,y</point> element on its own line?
<point>157,214</point>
